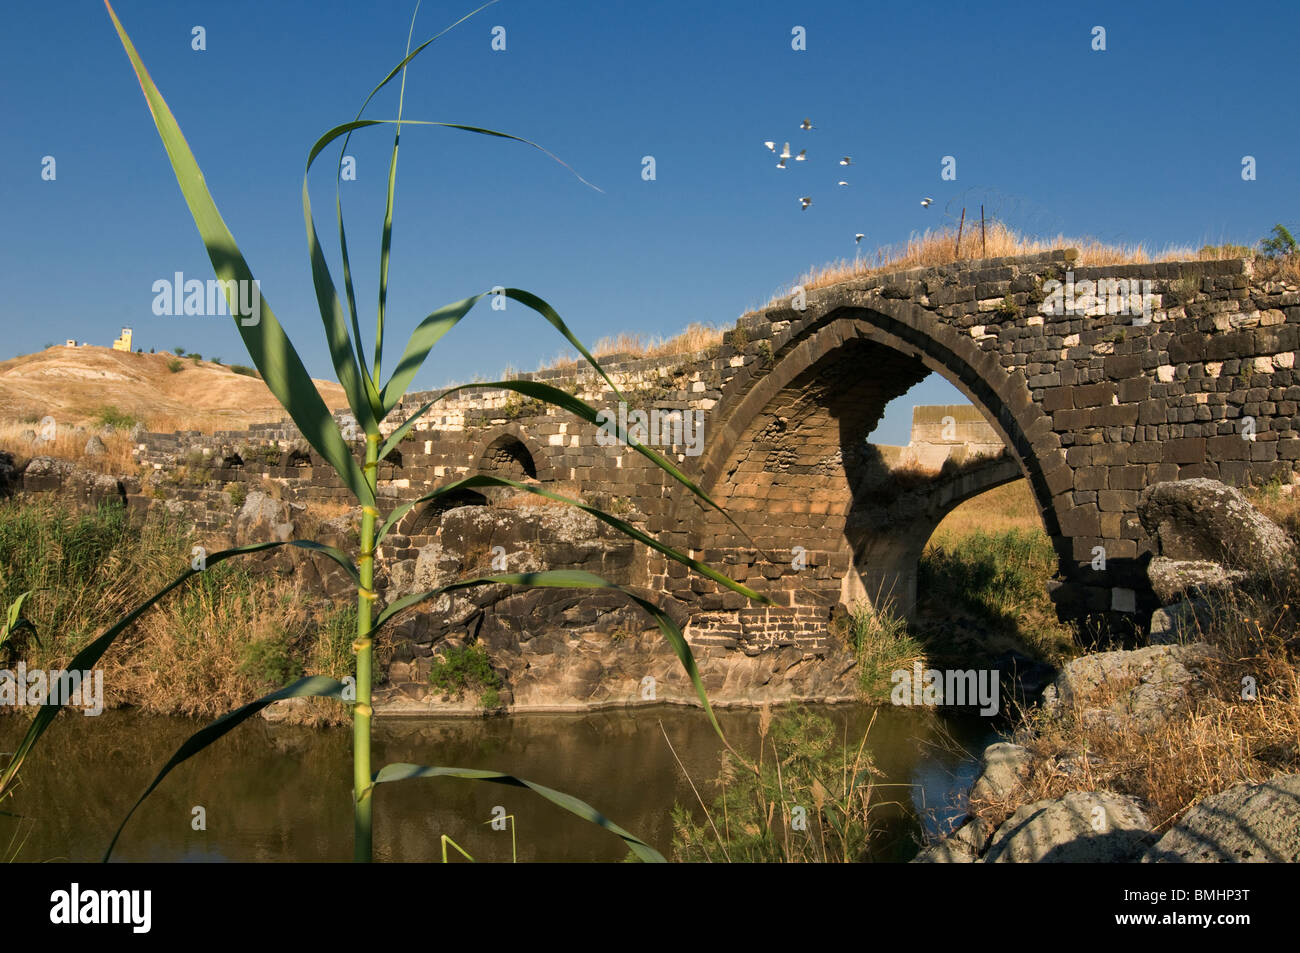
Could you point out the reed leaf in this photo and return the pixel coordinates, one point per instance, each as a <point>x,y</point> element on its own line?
<point>317,686</point>
<point>407,772</point>
<point>268,346</point>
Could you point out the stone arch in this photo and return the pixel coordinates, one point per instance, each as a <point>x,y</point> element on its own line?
<point>421,520</point>
<point>511,452</point>
<point>776,459</point>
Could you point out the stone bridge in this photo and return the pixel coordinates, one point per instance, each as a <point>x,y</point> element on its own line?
<point>1089,404</point>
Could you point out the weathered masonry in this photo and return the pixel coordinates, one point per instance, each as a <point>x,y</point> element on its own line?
<point>1090,407</point>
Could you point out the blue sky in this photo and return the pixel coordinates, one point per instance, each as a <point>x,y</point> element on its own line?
<point>1141,142</point>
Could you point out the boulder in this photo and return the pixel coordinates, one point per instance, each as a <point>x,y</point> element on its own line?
<point>262,519</point>
<point>95,447</point>
<point>9,478</point>
<point>962,846</point>
<point>1147,685</point>
<point>1248,823</point>
<point>1081,827</point>
<point>1184,621</point>
<point>46,474</point>
<point>1205,520</point>
<point>1005,767</point>
<point>1171,579</point>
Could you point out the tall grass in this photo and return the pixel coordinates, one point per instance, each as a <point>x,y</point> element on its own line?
<point>190,656</point>
<point>808,798</point>
<point>939,246</point>
<point>1000,580</point>
<point>882,645</point>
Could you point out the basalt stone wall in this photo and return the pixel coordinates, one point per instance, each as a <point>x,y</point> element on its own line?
<point>1091,406</point>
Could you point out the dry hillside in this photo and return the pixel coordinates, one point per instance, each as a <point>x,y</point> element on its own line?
<point>74,385</point>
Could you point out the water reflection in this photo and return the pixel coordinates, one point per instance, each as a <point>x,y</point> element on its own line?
<point>282,793</point>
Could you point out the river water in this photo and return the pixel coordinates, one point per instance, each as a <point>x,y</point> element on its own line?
<point>282,793</point>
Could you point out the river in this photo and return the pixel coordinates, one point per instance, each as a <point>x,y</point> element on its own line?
<point>282,793</point>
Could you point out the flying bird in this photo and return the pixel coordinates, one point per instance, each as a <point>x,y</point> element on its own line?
<point>781,164</point>
<point>803,154</point>
<point>925,203</point>
<point>846,161</point>
<point>805,202</point>
<point>771,146</point>
<point>785,153</point>
<point>842,182</point>
<point>857,239</point>
<point>806,124</point>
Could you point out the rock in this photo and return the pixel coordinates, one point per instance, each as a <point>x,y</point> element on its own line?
<point>262,519</point>
<point>1248,823</point>
<point>9,479</point>
<point>1183,621</point>
<point>1171,579</point>
<point>1081,827</point>
<point>1205,520</point>
<point>1024,677</point>
<point>95,447</point>
<point>1005,767</point>
<point>962,846</point>
<point>46,474</point>
<point>1148,684</point>
<point>137,433</point>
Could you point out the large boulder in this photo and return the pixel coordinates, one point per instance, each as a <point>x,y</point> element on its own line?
<point>1128,689</point>
<point>1207,521</point>
<point>1081,827</point>
<point>1248,823</point>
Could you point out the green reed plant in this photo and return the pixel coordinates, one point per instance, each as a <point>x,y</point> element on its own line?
<point>371,401</point>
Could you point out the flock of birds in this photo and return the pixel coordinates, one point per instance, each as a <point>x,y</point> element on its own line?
<point>785,155</point>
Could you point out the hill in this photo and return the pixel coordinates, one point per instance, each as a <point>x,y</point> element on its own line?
<point>75,385</point>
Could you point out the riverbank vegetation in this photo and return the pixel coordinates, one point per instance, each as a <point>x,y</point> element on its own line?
<point>806,798</point>
<point>212,646</point>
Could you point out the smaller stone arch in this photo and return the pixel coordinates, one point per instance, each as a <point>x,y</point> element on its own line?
<point>423,520</point>
<point>509,451</point>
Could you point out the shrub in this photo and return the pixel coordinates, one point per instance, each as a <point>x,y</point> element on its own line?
<point>246,371</point>
<point>461,669</point>
<point>238,493</point>
<point>110,416</point>
<point>174,365</point>
<point>270,661</point>
<point>1279,244</point>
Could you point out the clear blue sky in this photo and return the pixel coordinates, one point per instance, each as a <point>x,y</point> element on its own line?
<point>1142,142</point>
